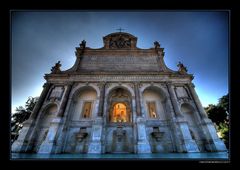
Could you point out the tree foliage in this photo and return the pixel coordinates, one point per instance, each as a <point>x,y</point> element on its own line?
<point>219,114</point>
<point>21,114</point>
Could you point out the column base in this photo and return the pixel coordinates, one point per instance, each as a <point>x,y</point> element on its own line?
<point>46,148</point>
<point>95,147</point>
<point>216,145</point>
<point>143,148</point>
<point>191,146</point>
<point>19,146</point>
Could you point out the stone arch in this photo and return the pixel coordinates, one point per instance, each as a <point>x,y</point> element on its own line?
<point>49,112</point>
<point>119,95</point>
<point>154,102</point>
<point>124,86</point>
<point>82,97</point>
<point>189,113</point>
<point>155,86</point>
<point>75,91</point>
<point>48,106</point>
<point>190,116</point>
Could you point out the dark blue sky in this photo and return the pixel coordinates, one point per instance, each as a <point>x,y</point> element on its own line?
<point>199,39</point>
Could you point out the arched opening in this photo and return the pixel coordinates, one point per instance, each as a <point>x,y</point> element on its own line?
<point>119,106</point>
<point>84,102</point>
<point>119,131</point>
<point>154,102</point>
<point>43,126</point>
<point>190,116</point>
<point>119,113</point>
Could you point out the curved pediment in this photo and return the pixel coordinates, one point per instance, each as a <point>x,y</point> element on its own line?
<point>119,40</point>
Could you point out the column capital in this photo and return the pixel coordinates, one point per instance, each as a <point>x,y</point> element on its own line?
<point>101,84</point>
<point>169,83</point>
<point>136,83</point>
<point>191,85</point>
<point>70,83</point>
<point>46,84</point>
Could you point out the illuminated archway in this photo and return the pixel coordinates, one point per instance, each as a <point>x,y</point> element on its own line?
<point>119,113</point>
<point>119,106</point>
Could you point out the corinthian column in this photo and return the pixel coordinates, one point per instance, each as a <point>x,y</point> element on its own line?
<point>101,99</point>
<point>196,100</point>
<point>137,97</point>
<point>173,99</point>
<point>22,143</point>
<point>41,99</point>
<point>65,99</point>
<point>180,127</point>
<point>213,142</point>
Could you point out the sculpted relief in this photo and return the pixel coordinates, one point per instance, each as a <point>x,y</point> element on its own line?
<point>119,42</point>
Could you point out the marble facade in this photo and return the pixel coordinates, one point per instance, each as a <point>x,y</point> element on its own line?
<point>119,72</point>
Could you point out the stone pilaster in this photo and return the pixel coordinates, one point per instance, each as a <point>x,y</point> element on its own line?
<point>188,143</point>
<point>213,143</point>
<point>64,101</point>
<point>143,145</point>
<point>174,127</point>
<point>22,143</point>
<point>101,99</point>
<point>197,101</point>
<point>50,141</point>
<point>48,145</point>
<point>173,99</point>
<point>95,145</point>
<point>41,99</point>
<point>137,97</point>
<point>185,143</point>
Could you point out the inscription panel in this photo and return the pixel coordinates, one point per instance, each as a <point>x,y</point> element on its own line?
<point>119,63</point>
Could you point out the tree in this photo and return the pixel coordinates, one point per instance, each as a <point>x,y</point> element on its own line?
<point>20,116</point>
<point>219,114</point>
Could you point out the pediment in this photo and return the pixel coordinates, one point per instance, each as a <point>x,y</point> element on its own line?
<point>120,40</point>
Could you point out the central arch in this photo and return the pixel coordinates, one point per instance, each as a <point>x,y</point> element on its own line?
<point>119,113</point>
<point>119,108</point>
<point>119,126</point>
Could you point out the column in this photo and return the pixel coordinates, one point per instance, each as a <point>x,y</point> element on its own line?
<point>196,100</point>
<point>101,99</point>
<point>213,142</point>
<point>48,145</point>
<point>137,97</point>
<point>41,99</point>
<point>182,132</point>
<point>143,145</point>
<point>65,100</point>
<point>173,99</point>
<point>95,143</point>
<point>22,143</point>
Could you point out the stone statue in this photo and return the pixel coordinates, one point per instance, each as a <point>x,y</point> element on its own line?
<point>56,68</point>
<point>182,69</point>
<point>83,44</point>
<point>157,45</point>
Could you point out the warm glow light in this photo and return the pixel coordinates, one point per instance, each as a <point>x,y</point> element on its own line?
<point>119,113</point>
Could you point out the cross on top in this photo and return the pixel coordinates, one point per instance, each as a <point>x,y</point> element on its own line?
<point>120,29</point>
